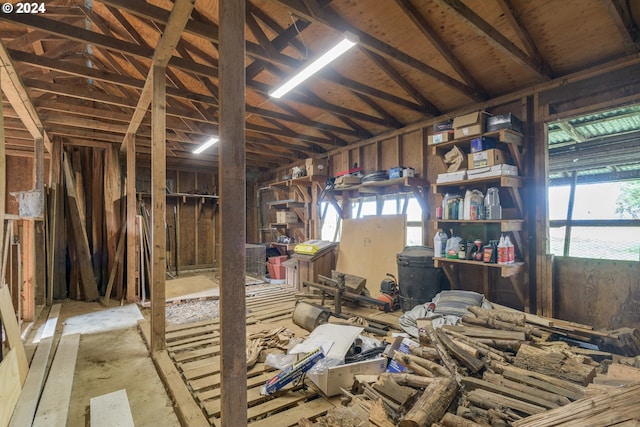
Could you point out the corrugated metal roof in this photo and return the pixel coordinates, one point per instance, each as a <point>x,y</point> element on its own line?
<point>612,137</point>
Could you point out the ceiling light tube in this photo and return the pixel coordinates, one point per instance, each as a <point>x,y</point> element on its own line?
<point>348,41</point>
<point>208,143</point>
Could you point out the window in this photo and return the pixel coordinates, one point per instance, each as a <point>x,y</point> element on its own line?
<point>367,206</point>
<point>594,192</point>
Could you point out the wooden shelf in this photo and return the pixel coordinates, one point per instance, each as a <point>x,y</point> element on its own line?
<point>287,225</point>
<point>184,196</point>
<point>285,204</point>
<point>506,270</point>
<point>506,136</point>
<point>506,181</point>
<point>506,225</point>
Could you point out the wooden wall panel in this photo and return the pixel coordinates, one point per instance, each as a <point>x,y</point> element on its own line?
<point>187,226</point>
<point>389,151</point>
<point>600,293</point>
<point>20,178</point>
<point>370,158</point>
<point>412,152</point>
<point>338,162</point>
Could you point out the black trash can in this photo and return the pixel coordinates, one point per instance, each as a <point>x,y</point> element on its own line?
<point>418,279</point>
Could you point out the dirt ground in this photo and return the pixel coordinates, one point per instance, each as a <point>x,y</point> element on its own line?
<point>111,361</point>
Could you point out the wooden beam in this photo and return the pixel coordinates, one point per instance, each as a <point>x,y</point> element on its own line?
<point>233,361</point>
<point>159,208</point>
<point>331,19</point>
<point>421,23</point>
<point>496,38</point>
<point>131,217</point>
<point>19,99</point>
<point>89,285</point>
<point>3,176</point>
<point>161,56</point>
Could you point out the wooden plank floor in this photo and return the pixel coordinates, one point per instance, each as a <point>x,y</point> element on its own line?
<point>195,350</point>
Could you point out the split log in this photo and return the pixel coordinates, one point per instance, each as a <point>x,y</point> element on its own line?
<point>378,416</point>
<point>616,406</point>
<point>450,420</point>
<point>542,394</point>
<point>411,380</point>
<point>545,382</point>
<point>489,400</point>
<point>483,349</point>
<point>394,391</point>
<point>475,414</point>
<point>446,359</point>
<point>474,383</point>
<point>508,344</point>
<point>433,368</point>
<point>432,404</point>
<point>516,317</point>
<point>499,324</point>
<point>498,419</point>
<point>429,353</point>
<point>474,365</point>
<point>467,348</point>
<point>558,364</point>
<point>405,360</point>
<point>390,406</point>
<point>494,334</point>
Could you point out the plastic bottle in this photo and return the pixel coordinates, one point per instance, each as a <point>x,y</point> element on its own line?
<point>461,204</point>
<point>468,196</point>
<point>511,250</point>
<point>439,244</point>
<point>503,256</point>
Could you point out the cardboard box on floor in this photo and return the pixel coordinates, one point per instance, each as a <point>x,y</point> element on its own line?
<point>339,338</point>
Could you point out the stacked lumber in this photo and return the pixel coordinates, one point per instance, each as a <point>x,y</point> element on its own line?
<point>499,368</point>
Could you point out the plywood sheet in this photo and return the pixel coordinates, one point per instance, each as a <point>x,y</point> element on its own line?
<point>10,385</point>
<point>191,287</point>
<point>369,246</point>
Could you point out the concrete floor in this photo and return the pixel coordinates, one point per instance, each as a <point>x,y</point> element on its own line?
<point>110,359</point>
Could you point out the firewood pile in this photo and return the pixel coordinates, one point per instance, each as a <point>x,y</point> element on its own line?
<point>501,368</point>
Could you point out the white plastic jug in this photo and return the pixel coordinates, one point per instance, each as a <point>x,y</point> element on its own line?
<point>440,244</point>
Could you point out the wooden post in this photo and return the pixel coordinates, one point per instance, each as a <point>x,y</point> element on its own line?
<point>39,260</point>
<point>233,360</point>
<point>131,217</point>
<point>158,210</point>
<point>3,183</point>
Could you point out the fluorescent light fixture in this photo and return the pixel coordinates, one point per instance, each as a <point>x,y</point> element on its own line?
<point>208,143</point>
<point>348,41</point>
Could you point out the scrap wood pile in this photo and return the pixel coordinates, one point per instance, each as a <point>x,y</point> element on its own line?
<point>501,368</point>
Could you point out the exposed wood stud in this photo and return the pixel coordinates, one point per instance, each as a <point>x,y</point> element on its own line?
<point>233,215</point>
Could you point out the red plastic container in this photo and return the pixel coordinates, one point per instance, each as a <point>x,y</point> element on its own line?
<point>276,271</point>
<point>277,260</point>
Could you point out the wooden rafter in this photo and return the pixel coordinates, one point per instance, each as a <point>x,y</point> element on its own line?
<point>161,56</point>
<point>420,22</point>
<point>496,38</point>
<point>623,20</point>
<point>329,18</point>
<point>427,106</point>
<point>523,35</point>
<point>19,99</point>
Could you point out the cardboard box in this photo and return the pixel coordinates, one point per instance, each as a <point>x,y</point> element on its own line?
<point>347,180</point>
<point>483,143</point>
<point>402,345</point>
<point>439,137</point>
<point>486,158</point>
<point>335,340</point>
<point>286,217</point>
<point>496,170</point>
<point>451,176</point>
<point>318,167</point>
<point>343,376</point>
<point>504,121</point>
<point>443,126</point>
<point>408,172</point>
<point>469,124</point>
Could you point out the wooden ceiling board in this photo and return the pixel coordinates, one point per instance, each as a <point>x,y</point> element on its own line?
<point>571,34</point>
<point>389,23</point>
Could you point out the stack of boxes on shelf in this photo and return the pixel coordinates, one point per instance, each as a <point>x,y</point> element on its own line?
<point>484,159</point>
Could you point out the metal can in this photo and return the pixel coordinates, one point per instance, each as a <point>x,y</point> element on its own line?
<point>439,212</point>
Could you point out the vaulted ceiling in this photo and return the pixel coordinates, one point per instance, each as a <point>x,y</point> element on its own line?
<point>82,65</point>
